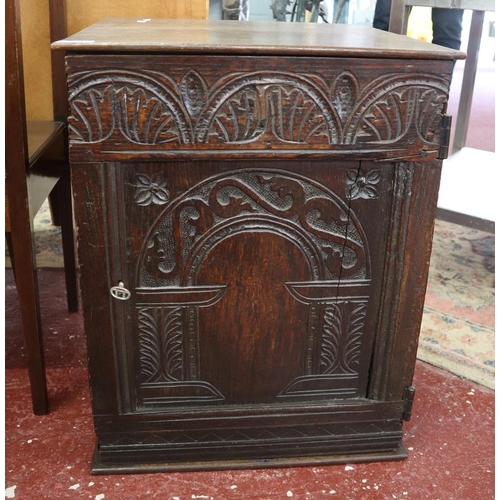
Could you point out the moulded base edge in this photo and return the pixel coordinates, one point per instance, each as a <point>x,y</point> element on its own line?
<point>99,468</point>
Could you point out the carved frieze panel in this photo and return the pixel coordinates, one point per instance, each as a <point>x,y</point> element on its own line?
<point>257,109</point>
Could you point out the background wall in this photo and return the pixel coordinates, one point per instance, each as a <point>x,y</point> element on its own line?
<point>36,58</point>
<point>36,36</point>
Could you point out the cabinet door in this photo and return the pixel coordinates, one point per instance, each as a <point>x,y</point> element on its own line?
<point>250,281</point>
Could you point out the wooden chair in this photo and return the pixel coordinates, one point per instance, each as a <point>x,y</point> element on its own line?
<point>36,166</point>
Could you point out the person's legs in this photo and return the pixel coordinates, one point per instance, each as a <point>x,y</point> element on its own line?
<point>447,27</point>
<point>446,23</point>
<point>382,15</point>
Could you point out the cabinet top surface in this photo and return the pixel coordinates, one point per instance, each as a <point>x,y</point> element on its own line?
<point>251,38</point>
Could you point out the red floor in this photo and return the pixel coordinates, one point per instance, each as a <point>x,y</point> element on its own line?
<point>450,439</point>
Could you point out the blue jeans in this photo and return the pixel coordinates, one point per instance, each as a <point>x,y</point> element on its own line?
<point>446,23</point>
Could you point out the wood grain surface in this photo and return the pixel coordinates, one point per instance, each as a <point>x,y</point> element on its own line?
<point>209,36</point>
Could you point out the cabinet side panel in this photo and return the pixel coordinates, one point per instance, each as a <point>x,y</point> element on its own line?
<point>90,219</point>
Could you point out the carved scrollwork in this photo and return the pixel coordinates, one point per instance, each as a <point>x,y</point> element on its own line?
<point>280,202</point>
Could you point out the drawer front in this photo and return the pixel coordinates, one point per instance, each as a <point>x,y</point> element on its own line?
<point>154,106</point>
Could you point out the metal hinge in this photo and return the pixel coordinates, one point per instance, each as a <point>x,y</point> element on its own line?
<point>408,397</point>
<point>444,137</point>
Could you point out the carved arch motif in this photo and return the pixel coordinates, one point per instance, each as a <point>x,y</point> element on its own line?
<point>291,206</point>
<point>149,108</point>
<point>389,106</point>
<point>288,204</point>
<point>141,107</point>
<point>294,108</point>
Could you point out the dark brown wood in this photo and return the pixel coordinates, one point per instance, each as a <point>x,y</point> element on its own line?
<point>172,105</point>
<point>16,156</point>
<point>58,31</point>
<point>254,235</point>
<point>103,468</point>
<point>36,165</point>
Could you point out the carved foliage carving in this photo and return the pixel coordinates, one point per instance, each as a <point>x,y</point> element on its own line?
<point>390,116</point>
<point>284,108</point>
<point>137,106</point>
<point>160,344</point>
<point>289,113</point>
<point>343,324</point>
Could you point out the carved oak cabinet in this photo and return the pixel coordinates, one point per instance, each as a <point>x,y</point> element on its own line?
<point>255,206</point>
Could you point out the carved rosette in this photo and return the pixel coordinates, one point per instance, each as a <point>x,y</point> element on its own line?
<point>151,189</point>
<point>361,185</point>
<point>262,108</point>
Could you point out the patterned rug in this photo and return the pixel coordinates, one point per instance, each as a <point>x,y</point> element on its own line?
<point>457,331</point>
<point>458,325</point>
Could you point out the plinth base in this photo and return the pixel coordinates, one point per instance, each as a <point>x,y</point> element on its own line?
<point>99,468</point>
